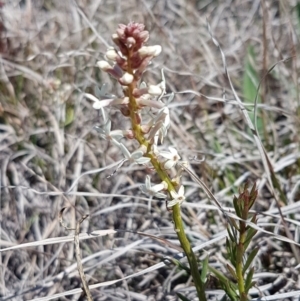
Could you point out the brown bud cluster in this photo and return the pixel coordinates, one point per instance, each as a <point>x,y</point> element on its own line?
<point>130,37</point>
<point>132,56</point>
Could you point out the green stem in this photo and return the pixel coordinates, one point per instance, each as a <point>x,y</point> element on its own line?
<point>139,136</point>
<point>239,262</point>
<point>185,244</point>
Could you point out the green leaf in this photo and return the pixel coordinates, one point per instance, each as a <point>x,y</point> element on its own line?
<point>69,115</point>
<point>236,206</point>
<point>234,224</point>
<point>204,270</point>
<point>230,234</point>
<point>250,259</point>
<point>250,234</point>
<point>231,271</point>
<point>219,275</point>
<point>231,291</point>
<point>181,297</point>
<point>231,251</point>
<point>248,282</point>
<point>250,84</point>
<point>229,287</point>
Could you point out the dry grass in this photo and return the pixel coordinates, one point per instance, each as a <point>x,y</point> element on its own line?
<point>51,156</point>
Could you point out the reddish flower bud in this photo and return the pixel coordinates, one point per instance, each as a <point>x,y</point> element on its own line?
<point>138,118</point>
<point>125,111</point>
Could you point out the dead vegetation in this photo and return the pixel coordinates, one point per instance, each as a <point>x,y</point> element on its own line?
<point>51,156</point>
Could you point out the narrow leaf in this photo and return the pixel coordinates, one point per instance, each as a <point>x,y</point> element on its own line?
<point>250,259</point>
<point>231,271</point>
<point>248,282</point>
<point>204,270</point>
<point>219,275</point>
<point>181,297</point>
<point>236,206</point>
<point>250,234</point>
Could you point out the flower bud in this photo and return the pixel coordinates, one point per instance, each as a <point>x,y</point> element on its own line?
<point>130,42</point>
<point>126,79</point>
<point>104,65</point>
<point>138,118</point>
<point>144,36</point>
<point>129,134</point>
<point>155,90</point>
<point>150,51</point>
<point>125,111</point>
<point>145,128</point>
<point>111,54</point>
<point>139,92</point>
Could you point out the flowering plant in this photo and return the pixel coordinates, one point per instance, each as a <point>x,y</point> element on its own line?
<point>127,65</point>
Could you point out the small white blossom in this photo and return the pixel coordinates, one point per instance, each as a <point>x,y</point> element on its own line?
<point>177,197</point>
<point>145,100</point>
<point>136,157</point>
<point>172,157</point>
<point>154,190</point>
<point>160,124</point>
<point>99,104</point>
<point>154,130</point>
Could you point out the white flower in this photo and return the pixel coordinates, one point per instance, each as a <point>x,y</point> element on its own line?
<point>177,197</point>
<point>99,104</point>
<point>154,190</point>
<point>172,157</point>
<point>136,157</point>
<point>145,100</point>
<point>160,124</point>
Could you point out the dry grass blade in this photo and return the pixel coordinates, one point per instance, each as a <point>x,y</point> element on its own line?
<point>78,258</point>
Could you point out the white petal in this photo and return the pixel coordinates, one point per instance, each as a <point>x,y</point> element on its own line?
<point>169,164</point>
<point>158,187</point>
<point>148,182</point>
<point>143,160</point>
<point>91,97</point>
<point>173,151</point>
<point>181,191</point>
<point>102,103</point>
<point>174,194</point>
<point>160,195</point>
<point>172,203</point>
<point>97,105</point>
<point>157,50</point>
<point>166,155</point>
<point>116,134</point>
